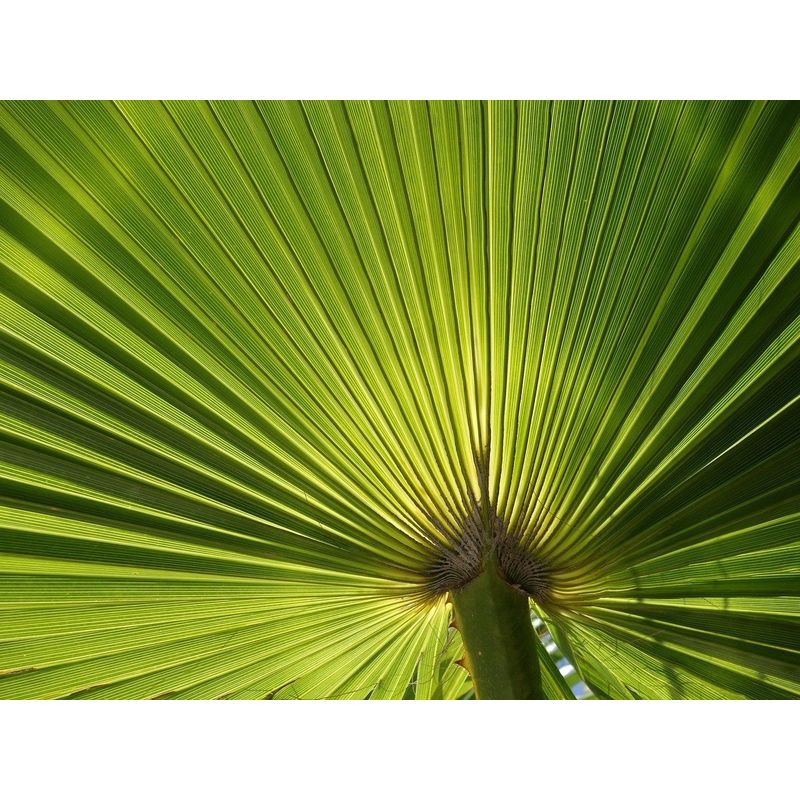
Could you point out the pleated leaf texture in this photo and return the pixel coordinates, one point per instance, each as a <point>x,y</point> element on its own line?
<point>260,363</point>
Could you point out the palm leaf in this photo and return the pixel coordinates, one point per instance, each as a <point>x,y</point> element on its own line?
<point>259,363</point>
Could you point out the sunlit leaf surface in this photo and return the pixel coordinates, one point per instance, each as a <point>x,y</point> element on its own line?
<point>259,361</point>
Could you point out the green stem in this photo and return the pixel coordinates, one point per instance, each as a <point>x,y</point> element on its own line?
<point>495,624</point>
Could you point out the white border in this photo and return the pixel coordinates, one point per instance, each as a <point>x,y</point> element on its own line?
<point>179,749</point>
<point>417,48</point>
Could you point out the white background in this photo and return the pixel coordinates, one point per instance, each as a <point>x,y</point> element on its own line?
<point>382,750</point>
<point>417,48</point>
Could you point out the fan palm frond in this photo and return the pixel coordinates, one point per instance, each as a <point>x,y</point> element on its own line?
<point>265,368</point>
